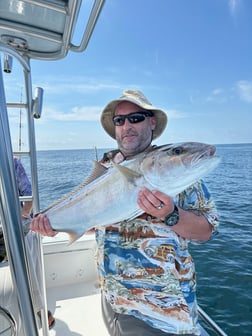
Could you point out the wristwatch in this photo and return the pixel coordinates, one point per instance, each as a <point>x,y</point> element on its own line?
<point>173,218</point>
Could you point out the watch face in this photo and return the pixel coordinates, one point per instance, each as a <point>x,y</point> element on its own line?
<point>173,218</point>
<point>171,221</point>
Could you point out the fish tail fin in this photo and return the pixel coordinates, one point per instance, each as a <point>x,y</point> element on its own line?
<point>73,236</point>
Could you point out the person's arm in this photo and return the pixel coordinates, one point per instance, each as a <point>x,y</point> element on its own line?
<point>191,226</point>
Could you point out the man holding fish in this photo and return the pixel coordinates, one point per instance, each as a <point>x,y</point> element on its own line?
<point>146,271</point>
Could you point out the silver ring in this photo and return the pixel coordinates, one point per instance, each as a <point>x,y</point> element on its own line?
<point>161,205</point>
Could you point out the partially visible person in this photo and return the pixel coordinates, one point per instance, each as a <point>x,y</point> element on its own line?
<point>24,189</point>
<point>146,271</point>
<point>31,240</point>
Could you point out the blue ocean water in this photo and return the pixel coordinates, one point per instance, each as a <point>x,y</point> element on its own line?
<point>223,265</point>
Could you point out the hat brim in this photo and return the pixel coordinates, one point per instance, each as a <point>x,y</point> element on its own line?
<point>109,111</point>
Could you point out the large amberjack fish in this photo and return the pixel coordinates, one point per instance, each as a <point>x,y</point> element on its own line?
<point>110,195</point>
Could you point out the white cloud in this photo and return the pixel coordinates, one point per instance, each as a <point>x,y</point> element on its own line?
<point>233,4</point>
<point>175,114</point>
<point>82,113</point>
<point>79,84</point>
<point>217,96</point>
<point>244,89</point>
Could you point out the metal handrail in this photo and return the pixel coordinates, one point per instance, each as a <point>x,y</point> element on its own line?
<point>205,317</point>
<point>12,324</point>
<point>9,201</point>
<point>95,12</point>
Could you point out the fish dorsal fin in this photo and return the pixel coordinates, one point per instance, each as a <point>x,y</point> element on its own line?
<point>98,171</point>
<point>128,173</point>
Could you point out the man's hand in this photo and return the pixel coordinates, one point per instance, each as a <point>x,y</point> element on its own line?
<point>41,224</point>
<point>155,203</point>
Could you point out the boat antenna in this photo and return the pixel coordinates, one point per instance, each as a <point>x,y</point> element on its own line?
<point>20,124</point>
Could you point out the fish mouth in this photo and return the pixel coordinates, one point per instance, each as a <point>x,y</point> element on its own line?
<point>206,154</point>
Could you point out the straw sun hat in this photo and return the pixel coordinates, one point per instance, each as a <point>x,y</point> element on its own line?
<point>138,98</point>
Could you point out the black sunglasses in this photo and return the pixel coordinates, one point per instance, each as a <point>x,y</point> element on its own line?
<point>134,118</point>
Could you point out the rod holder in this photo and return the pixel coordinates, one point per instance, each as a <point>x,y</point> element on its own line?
<point>37,102</point>
<point>8,60</point>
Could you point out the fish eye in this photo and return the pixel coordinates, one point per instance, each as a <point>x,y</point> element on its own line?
<point>177,151</point>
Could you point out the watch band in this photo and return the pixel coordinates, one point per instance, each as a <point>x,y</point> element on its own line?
<point>173,218</point>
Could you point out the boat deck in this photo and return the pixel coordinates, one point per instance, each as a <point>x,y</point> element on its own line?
<point>73,291</point>
<point>77,310</point>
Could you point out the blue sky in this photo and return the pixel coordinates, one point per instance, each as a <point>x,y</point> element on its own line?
<point>191,58</point>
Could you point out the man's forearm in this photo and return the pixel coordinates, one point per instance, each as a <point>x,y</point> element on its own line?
<point>191,226</point>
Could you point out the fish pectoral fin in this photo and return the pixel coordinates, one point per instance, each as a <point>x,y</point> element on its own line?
<point>128,173</point>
